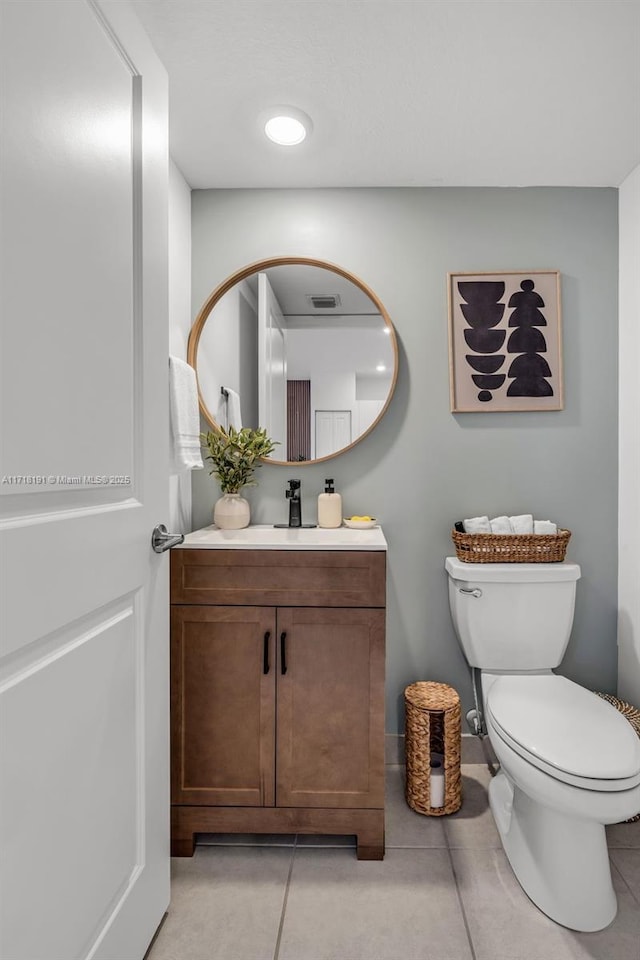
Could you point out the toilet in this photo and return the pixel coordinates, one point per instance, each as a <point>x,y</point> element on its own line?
<point>569,761</point>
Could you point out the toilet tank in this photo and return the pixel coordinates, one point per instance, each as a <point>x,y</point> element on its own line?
<point>512,616</point>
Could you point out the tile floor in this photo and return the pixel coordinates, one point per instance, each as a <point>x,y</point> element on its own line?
<point>443,892</point>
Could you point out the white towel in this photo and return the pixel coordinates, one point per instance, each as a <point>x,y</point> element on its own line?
<point>477,525</point>
<point>185,417</point>
<point>544,526</point>
<point>522,523</point>
<point>500,525</point>
<point>229,413</point>
<point>235,416</point>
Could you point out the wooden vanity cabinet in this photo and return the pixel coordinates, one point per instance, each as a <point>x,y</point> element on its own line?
<point>277,704</point>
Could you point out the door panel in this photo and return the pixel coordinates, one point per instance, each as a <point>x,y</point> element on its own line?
<point>56,387</point>
<point>84,648</point>
<point>79,715</point>
<point>222,705</point>
<point>330,715</point>
<point>333,431</point>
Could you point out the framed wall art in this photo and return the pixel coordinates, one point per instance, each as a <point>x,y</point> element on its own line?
<point>505,341</point>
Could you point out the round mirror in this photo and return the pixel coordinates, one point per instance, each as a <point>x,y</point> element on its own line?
<point>299,347</point>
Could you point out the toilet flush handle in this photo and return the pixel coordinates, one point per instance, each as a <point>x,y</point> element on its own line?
<point>471,591</point>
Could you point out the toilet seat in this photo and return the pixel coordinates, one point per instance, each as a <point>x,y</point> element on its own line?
<point>566,731</point>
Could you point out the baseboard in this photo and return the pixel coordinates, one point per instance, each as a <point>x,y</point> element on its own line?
<point>474,749</point>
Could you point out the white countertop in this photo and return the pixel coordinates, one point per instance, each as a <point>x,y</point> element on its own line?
<point>265,537</point>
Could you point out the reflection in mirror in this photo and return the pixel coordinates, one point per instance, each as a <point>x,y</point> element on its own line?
<point>300,348</point>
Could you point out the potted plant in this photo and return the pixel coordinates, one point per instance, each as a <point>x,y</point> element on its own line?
<point>235,455</point>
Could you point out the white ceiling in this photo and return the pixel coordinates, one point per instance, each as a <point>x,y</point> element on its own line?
<point>403,92</point>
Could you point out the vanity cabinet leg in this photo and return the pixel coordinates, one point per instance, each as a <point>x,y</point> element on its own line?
<point>184,826</point>
<point>370,841</point>
<point>370,853</point>
<point>183,847</point>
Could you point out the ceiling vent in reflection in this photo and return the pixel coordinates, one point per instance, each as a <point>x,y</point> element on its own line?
<point>324,301</point>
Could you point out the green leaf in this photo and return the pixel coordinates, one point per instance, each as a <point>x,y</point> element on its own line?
<point>235,455</point>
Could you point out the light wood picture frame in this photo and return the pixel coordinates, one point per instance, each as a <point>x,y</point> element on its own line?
<point>505,341</point>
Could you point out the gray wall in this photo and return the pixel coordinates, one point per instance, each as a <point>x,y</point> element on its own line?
<point>423,467</point>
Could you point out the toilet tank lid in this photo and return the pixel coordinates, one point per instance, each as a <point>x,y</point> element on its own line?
<point>511,572</point>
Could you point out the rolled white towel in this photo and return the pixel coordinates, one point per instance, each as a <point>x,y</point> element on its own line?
<point>477,525</point>
<point>522,523</point>
<point>544,526</point>
<point>500,525</point>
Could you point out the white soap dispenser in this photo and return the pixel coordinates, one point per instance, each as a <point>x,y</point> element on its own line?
<point>329,507</point>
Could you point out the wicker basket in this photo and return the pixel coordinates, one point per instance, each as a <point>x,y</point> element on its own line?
<point>511,547</point>
<point>432,726</point>
<point>633,716</point>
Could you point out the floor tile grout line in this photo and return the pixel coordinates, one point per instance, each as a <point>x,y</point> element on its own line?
<point>413,846</point>
<point>460,900</point>
<point>284,900</point>
<point>615,867</point>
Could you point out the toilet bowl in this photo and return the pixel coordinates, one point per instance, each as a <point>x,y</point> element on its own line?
<point>569,761</point>
<point>551,820</point>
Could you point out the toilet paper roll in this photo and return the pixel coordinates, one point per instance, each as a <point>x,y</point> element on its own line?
<point>436,784</point>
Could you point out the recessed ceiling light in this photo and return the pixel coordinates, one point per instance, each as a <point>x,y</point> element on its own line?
<point>287,126</point>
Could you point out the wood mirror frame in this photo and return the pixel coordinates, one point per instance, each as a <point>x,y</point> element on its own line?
<point>257,267</point>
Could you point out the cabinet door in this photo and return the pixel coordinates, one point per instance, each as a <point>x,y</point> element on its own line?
<point>222,705</point>
<point>330,741</point>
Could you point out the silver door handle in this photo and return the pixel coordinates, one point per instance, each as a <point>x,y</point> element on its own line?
<point>161,540</point>
<point>471,591</point>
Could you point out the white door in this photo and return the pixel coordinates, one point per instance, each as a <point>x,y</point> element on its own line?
<point>83,640</point>
<point>272,366</point>
<point>333,431</point>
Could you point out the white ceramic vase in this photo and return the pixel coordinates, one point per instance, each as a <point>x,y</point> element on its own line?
<point>231,512</point>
